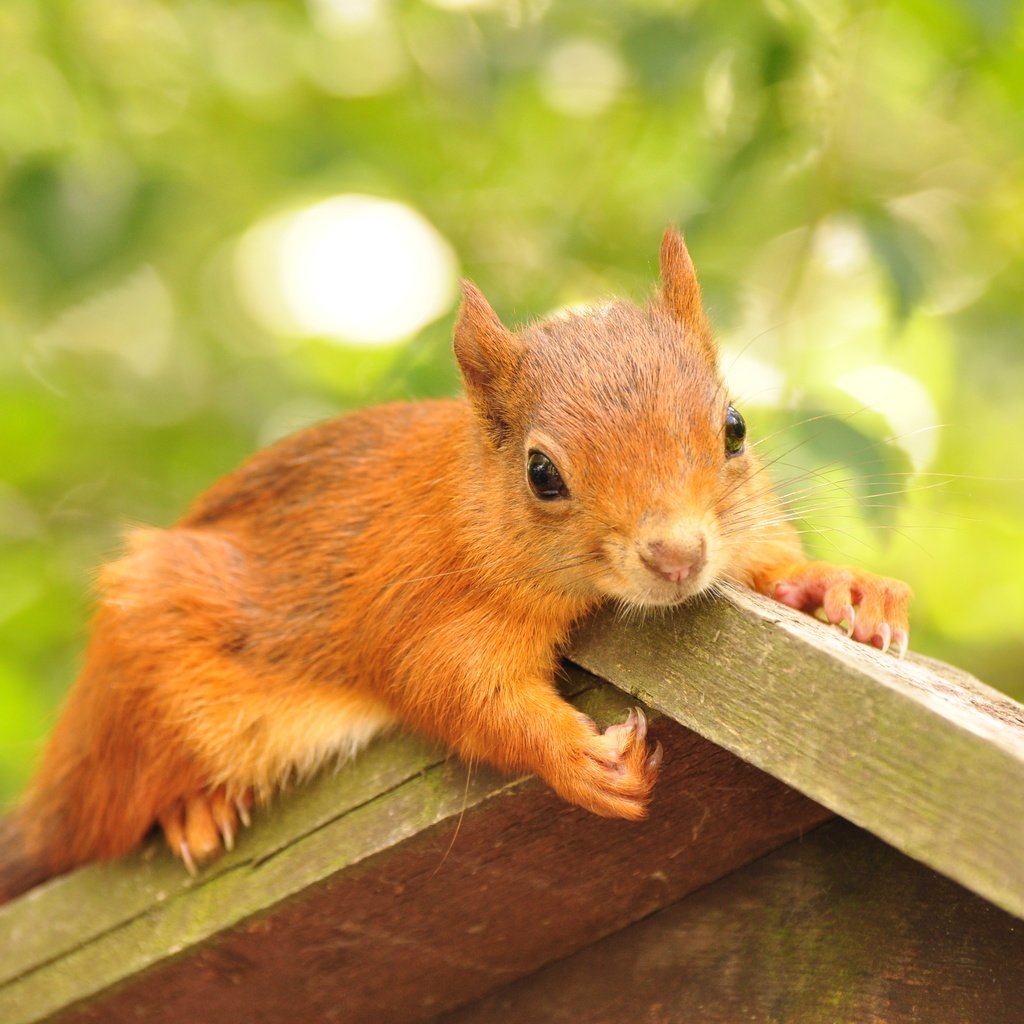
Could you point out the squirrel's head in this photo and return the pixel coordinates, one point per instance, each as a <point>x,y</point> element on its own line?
<point>617,445</point>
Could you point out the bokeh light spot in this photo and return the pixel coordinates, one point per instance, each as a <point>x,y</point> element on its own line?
<point>351,268</point>
<point>582,77</point>
<point>329,15</point>
<point>468,5</point>
<point>753,381</point>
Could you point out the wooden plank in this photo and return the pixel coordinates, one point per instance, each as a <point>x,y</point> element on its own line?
<point>922,755</point>
<point>391,892</point>
<point>837,927</point>
<point>106,897</point>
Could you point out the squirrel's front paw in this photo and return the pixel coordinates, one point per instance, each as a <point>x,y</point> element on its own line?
<point>874,607</point>
<point>204,824</point>
<point>611,773</point>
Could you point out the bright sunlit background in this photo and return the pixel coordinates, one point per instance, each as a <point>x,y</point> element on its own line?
<point>220,222</point>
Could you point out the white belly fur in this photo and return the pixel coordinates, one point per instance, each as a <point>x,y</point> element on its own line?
<point>276,738</point>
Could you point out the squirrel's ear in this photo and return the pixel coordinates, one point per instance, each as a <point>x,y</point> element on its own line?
<point>489,356</point>
<point>680,292</point>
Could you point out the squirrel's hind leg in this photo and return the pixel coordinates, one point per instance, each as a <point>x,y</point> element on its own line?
<point>204,825</point>
<point>250,722</point>
<point>178,718</point>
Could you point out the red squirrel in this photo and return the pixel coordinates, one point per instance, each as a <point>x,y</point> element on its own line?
<point>423,563</point>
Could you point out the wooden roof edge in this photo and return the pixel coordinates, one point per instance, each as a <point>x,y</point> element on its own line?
<point>920,753</point>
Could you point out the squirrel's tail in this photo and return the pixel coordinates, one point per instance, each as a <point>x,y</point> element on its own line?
<point>20,870</point>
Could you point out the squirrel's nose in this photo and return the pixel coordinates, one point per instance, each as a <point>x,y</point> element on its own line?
<point>675,560</point>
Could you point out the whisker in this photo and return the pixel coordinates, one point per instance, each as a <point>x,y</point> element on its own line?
<point>810,419</point>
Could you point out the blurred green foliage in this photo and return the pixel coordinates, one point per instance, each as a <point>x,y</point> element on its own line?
<point>849,174</point>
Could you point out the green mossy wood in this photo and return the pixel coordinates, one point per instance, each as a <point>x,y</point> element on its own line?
<point>917,752</point>
<point>400,888</point>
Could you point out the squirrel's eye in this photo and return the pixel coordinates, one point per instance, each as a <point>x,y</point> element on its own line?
<point>735,432</point>
<point>545,480</point>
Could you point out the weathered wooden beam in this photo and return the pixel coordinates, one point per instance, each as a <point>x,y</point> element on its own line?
<point>392,891</point>
<point>836,927</point>
<point>920,754</point>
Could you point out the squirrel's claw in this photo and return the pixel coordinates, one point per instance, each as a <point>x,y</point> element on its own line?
<point>885,635</point>
<point>611,773</point>
<point>639,720</point>
<point>873,607</point>
<point>243,811</point>
<point>225,816</point>
<point>186,858</point>
<point>204,825</point>
<point>850,615</point>
<point>902,640</point>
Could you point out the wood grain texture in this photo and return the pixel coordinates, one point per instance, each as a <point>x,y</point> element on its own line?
<point>922,755</point>
<point>392,891</point>
<point>837,928</point>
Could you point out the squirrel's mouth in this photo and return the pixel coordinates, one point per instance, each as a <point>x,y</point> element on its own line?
<point>643,589</point>
<point>677,593</point>
<point>657,579</point>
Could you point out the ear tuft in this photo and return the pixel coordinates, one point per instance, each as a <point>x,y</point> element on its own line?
<point>680,291</point>
<point>490,357</point>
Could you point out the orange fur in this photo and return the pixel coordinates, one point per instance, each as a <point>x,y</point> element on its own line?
<point>394,566</point>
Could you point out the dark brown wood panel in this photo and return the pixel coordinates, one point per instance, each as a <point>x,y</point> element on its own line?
<point>836,928</point>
